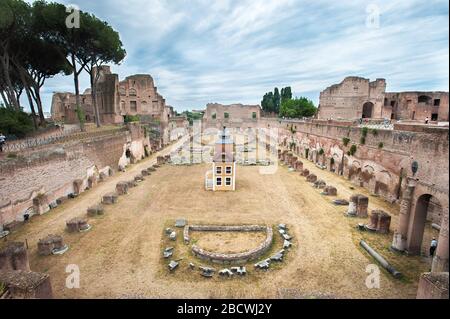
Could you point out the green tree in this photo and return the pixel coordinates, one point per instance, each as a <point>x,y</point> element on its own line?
<point>297,108</point>
<point>15,122</point>
<point>286,94</point>
<point>72,41</point>
<point>276,100</point>
<point>13,17</point>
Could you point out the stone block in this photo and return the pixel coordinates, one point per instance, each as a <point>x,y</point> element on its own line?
<point>78,186</point>
<point>379,222</point>
<point>50,245</point>
<point>433,286</point>
<point>62,200</point>
<point>139,178</point>
<point>132,184</point>
<point>14,256</point>
<point>330,190</point>
<point>311,178</point>
<point>41,204</point>
<point>320,184</point>
<point>103,177</point>
<point>122,188</point>
<point>110,198</point>
<point>95,210</point>
<point>12,226</point>
<point>23,284</point>
<point>77,224</point>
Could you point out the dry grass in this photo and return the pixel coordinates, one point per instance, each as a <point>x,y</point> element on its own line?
<point>122,255</point>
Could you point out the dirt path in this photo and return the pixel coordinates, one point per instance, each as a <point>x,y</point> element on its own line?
<point>121,257</point>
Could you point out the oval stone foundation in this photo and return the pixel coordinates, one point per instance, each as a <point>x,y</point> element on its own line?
<point>234,258</point>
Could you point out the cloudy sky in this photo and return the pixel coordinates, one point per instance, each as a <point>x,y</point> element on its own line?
<point>226,51</point>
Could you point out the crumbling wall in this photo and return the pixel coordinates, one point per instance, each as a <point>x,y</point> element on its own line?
<point>53,169</point>
<point>381,163</point>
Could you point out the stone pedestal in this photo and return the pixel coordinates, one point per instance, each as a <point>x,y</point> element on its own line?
<point>361,208</point>
<point>139,178</point>
<point>160,160</point>
<point>144,172</point>
<point>305,172</point>
<point>380,222</point>
<point>330,190</point>
<point>92,181</point>
<point>132,184</point>
<point>77,186</point>
<point>40,204</point>
<point>49,244</point>
<point>23,284</point>
<point>77,224</point>
<point>311,178</point>
<point>433,286</point>
<point>122,188</point>
<point>358,206</point>
<point>102,177</point>
<point>320,184</point>
<point>95,210</point>
<point>299,166</point>
<point>14,256</point>
<point>110,198</point>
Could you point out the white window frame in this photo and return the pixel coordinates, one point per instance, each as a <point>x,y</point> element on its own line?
<point>228,181</point>
<point>217,181</point>
<point>218,170</point>
<point>226,170</point>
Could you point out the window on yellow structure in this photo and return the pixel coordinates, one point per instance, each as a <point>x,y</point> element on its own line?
<point>218,170</point>
<point>228,181</point>
<point>228,170</point>
<point>219,181</point>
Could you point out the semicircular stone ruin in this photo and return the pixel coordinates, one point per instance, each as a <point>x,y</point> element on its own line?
<point>235,258</point>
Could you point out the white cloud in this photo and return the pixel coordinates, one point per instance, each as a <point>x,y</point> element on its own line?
<point>234,51</point>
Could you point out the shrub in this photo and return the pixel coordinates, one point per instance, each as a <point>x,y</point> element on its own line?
<point>362,140</point>
<point>131,118</point>
<point>353,149</point>
<point>306,152</point>
<point>80,115</point>
<point>380,145</point>
<point>345,141</point>
<point>364,131</point>
<point>13,122</point>
<point>374,132</point>
<point>321,151</point>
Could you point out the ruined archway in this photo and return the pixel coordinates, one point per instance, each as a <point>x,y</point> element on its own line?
<point>425,206</point>
<point>367,110</point>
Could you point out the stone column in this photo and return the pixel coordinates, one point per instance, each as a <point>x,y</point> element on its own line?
<point>400,234</point>
<point>440,261</point>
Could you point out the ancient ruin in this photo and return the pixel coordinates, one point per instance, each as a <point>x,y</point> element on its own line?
<point>146,198</point>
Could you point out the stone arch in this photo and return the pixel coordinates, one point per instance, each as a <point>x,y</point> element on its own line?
<point>382,182</point>
<point>354,171</point>
<point>420,212</point>
<point>367,112</point>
